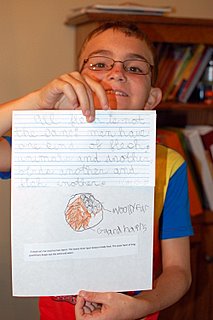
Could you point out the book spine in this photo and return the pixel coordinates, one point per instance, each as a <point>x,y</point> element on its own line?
<point>196,75</point>
<point>170,94</point>
<point>199,49</point>
<point>201,163</point>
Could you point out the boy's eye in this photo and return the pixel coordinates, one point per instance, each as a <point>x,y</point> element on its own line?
<point>98,65</point>
<point>136,66</point>
<point>134,69</point>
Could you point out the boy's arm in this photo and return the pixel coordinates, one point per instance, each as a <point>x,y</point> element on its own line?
<point>175,279</point>
<point>171,285</point>
<point>6,124</point>
<point>5,155</point>
<point>25,103</point>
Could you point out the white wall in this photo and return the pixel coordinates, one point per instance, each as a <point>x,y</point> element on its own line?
<point>36,46</point>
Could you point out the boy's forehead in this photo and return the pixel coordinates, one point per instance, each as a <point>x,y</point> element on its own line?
<point>110,40</point>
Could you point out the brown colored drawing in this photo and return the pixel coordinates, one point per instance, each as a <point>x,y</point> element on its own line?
<point>83,212</point>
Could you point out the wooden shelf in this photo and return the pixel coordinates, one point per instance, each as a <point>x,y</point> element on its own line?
<point>182,114</point>
<point>178,106</point>
<point>160,29</point>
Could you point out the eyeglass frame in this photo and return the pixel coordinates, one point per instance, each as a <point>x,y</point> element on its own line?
<point>115,61</point>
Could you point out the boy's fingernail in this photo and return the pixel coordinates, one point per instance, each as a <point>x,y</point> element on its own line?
<point>87,113</point>
<point>82,293</point>
<point>91,118</point>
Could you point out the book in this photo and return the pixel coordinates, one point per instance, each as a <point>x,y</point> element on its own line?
<point>181,75</point>
<point>197,149</point>
<point>207,139</point>
<point>125,8</point>
<point>195,76</point>
<point>206,133</point>
<point>168,95</point>
<point>133,7</point>
<point>170,68</point>
<point>163,52</point>
<point>197,53</point>
<point>173,139</point>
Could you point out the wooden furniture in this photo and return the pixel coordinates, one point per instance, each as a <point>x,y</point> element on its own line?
<point>196,304</point>
<point>160,29</point>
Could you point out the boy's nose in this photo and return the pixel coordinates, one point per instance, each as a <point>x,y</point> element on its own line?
<point>117,72</point>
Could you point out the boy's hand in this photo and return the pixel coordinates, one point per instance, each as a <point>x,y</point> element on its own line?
<point>72,91</point>
<point>109,306</point>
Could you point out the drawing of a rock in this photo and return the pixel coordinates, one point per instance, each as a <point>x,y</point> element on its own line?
<point>83,212</point>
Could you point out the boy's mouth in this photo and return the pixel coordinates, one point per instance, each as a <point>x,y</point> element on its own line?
<point>116,93</point>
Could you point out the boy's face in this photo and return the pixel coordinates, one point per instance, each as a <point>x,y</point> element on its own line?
<point>124,90</point>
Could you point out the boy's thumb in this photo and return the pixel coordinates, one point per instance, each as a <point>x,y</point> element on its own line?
<point>97,297</point>
<point>79,307</point>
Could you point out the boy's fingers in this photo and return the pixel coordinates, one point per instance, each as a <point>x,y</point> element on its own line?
<point>79,307</point>
<point>79,93</point>
<point>97,297</point>
<point>99,91</point>
<point>85,89</point>
<point>73,91</point>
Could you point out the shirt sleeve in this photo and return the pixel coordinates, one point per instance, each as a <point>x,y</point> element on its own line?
<point>6,175</point>
<point>175,220</point>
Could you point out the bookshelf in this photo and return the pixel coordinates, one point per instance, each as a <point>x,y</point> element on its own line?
<point>160,29</point>
<point>196,303</point>
<point>164,30</point>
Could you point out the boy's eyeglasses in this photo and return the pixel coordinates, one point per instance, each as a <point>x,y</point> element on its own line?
<point>101,63</point>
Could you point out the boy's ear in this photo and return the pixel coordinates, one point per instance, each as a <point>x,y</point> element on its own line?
<point>154,98</point>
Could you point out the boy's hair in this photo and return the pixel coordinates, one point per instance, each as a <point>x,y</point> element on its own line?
<point>130,30</point>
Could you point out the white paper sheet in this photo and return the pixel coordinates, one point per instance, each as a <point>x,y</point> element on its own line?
<point>82,201</point>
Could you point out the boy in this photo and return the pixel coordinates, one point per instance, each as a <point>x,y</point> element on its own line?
<point>118,71</point>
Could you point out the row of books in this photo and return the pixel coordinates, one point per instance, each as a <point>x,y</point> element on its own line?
<point>180,69</point>
<point>195,144</point>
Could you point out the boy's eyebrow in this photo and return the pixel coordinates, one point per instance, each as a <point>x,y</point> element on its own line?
<point>137,56</point>
<point>129,55</point>
<point>97,52</point>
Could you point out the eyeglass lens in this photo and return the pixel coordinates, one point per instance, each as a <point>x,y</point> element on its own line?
<point>100,63</point>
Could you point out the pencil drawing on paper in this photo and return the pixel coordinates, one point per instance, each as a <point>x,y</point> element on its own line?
<point>83,212</point>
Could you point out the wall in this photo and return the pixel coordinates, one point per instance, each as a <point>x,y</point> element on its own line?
<point>35,47</point>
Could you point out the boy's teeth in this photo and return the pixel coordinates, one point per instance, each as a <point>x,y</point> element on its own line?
<point>117,93</point>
